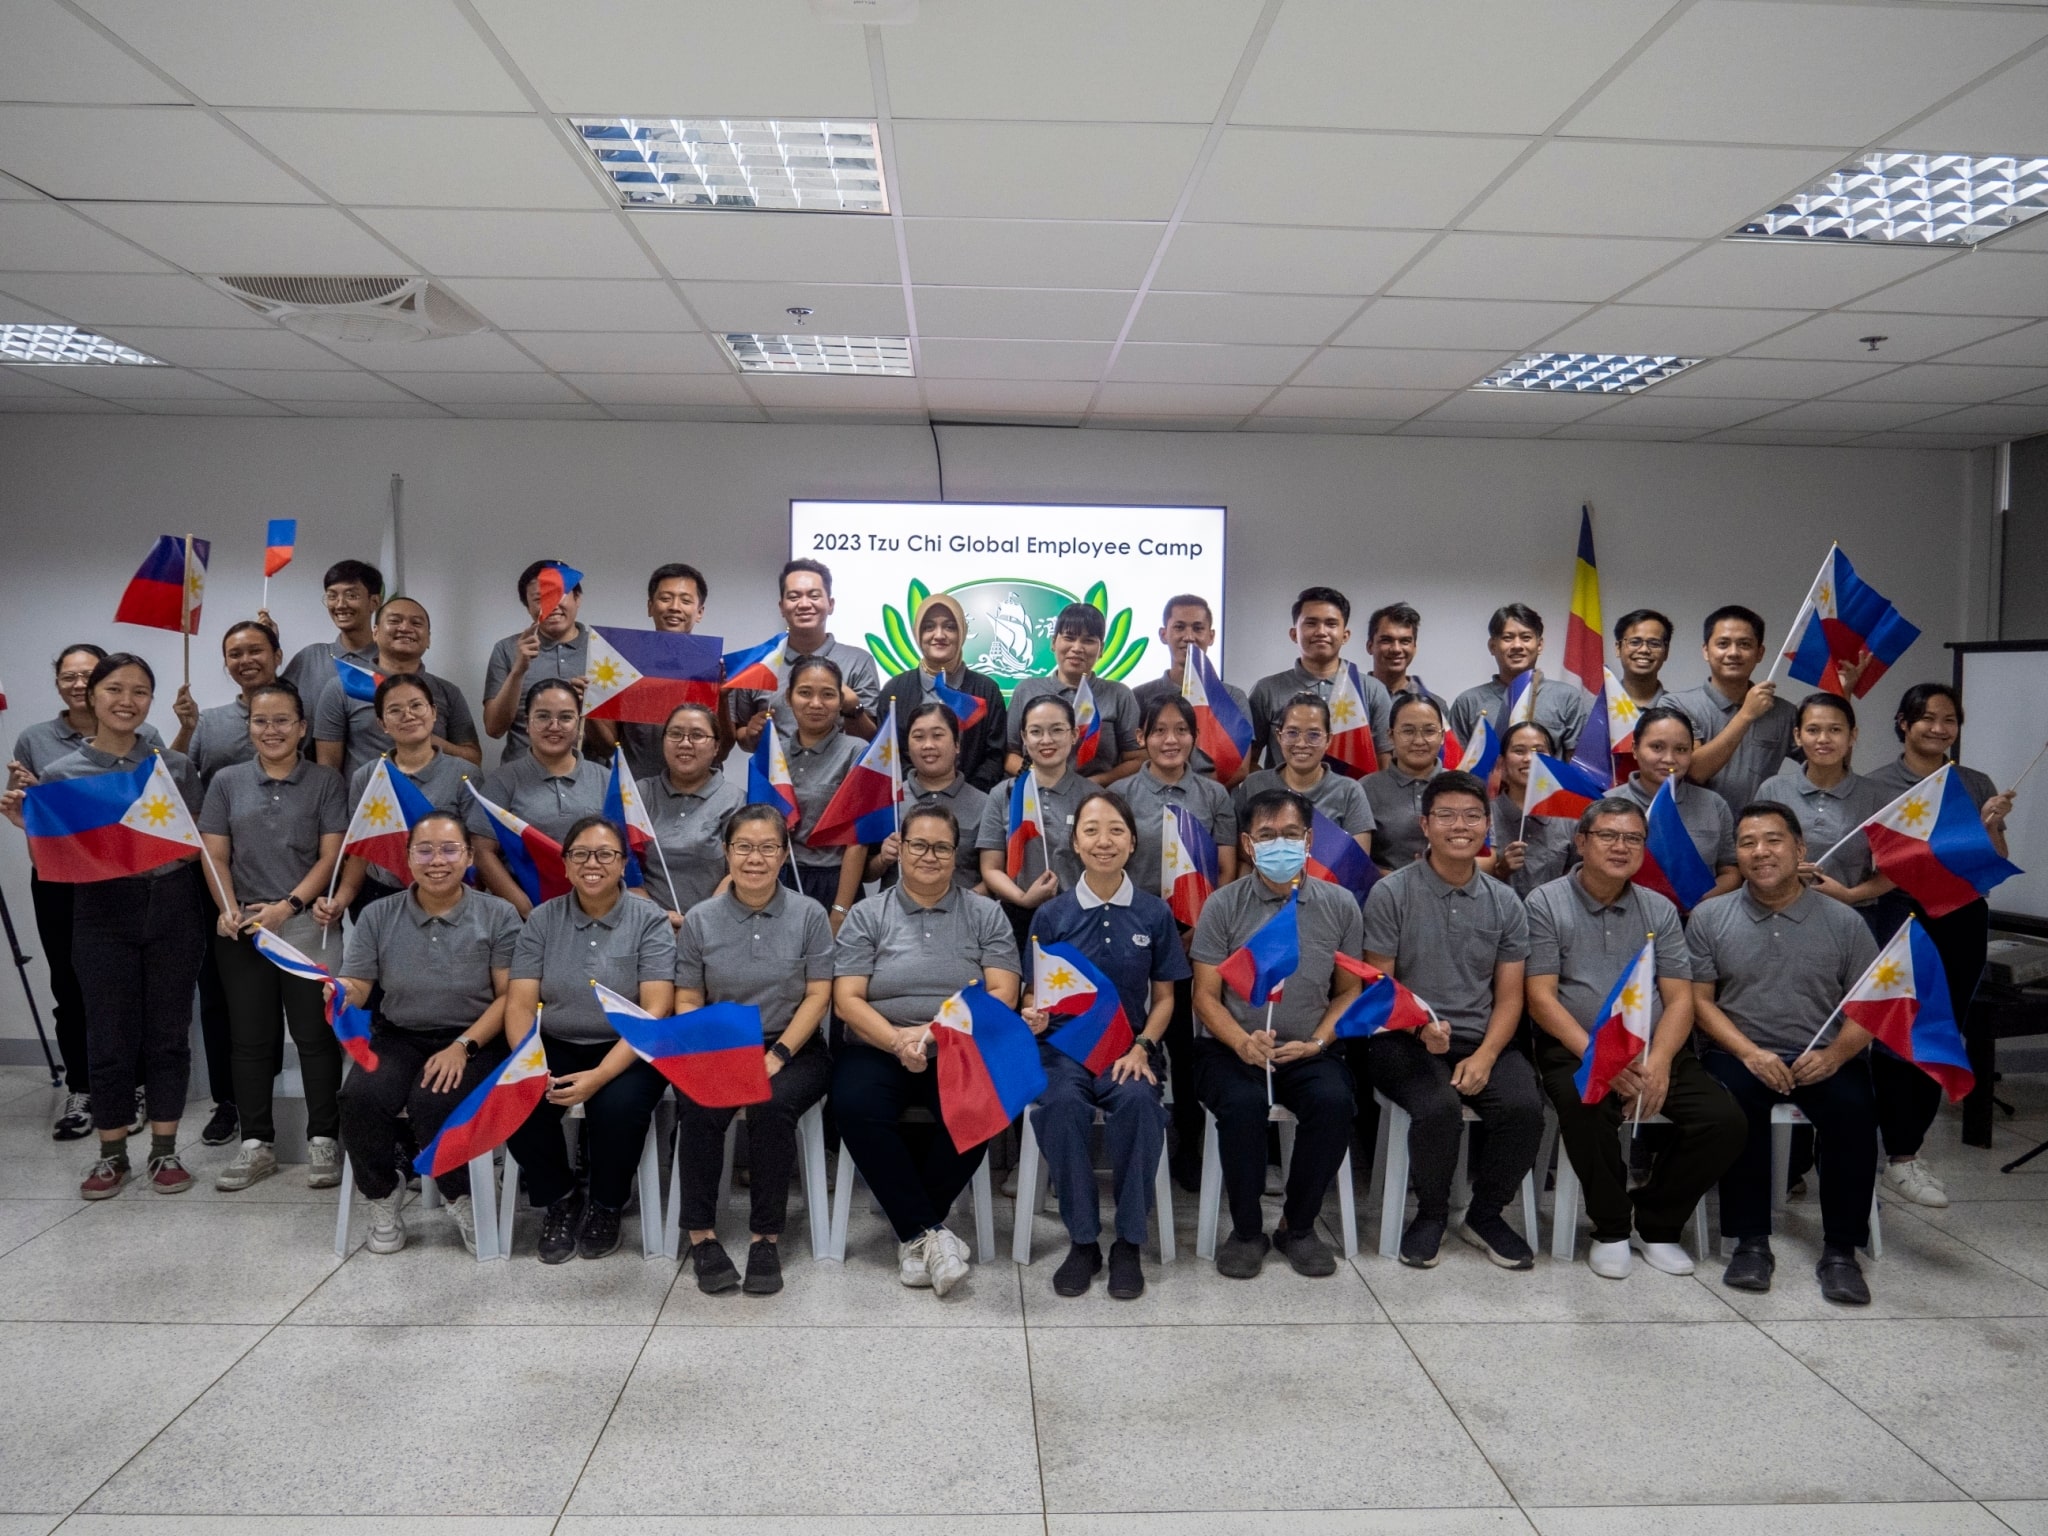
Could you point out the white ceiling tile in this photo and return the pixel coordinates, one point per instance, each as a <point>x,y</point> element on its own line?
<point>2004,116</point>
<point>1027,253</point>
<point>468,243</point>
<point>239,348</point>
<point>1147,61</point>
<point>2014,421</point>
<point>132,383</point>
<point>1252,258</point>
<point>481,352</point>
<point>1654,408</point>
<point>843,309</point>
<point>573,304</point>
<point>204,237</point>
<point>173,406</point>
<point>1956,383</point>
<point>53,56</point>
<point>849,416</point>
<point>1765,274</point>
<point>91,299</point>
<point>47,237</point>
<point>2032,397</point>
<point>1478,266</point>
<point>1518,405</point>
<point>1370,404</point>
<point>61,404</point>
<point>1506,326</point>
<point>308,384</point>
<point>1052,361</point>
<point>168,154</point>
<point>24,383</point>
<point>439,161</point>
<point>1381,180</point>
<point>655,58</point>
<point>1431,426</point>
<point>772,247</point>
<point>824,392</point>
<point>1042,170</point>
<point>1785,73</point>
<point>545,410</point>
<point>1663,331</point>
<point>954,415</point>
<point>1173,363</point>
<point>1398,368</point>
<point>1975,283</point>
<point>14,191</point>
<point>1317,426</point>
<point>1455,66</point>
<point>1277,319</point>
<point>1920,438</point>
<point>659,388</point>
<point>1034,314</point>
<point>2026,347</point>
<point>625,352</point>
<point>1572,187</point>
<point>1103,421</point>
<point>2030,236</point>
<point>1600,431</point>
<point>1194,399</point>
<point>392,54</point>
<point>1840,415</point>
<point>1037,396</point>
<point>1743,378</point>
<point>487,388</point>
<point>746,413</point>
<point>1762,437</point>
<point>1907,338</point>
<point>392,410</point>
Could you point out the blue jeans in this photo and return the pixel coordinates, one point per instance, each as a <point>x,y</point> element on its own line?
<point>1134,1125</point>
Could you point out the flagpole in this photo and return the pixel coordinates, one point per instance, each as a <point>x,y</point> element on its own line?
<point>185,611</point>
<point>1805,607</point>
<point>1867,971</point>
<point>1864,824</point>
<point>2016,783</point>
<point>1269,1059</point>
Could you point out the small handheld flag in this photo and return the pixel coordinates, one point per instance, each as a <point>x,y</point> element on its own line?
<point>108,826</point>
<point>622,808</point>
<point>531,857</point>
<point>988,1066</point>
<point>1261,965</point>
<point>1352,751</point>
<point>1672,865</point>
<point>1931,843</point>
<point>1064,984</point>
<point>864,807</point>
<point>351,1025</point>
<point>768,781</point>
<point>762,668</point>
<point>714,1054</point>
<point>1842,619</point>
<point>1479,756</point>
<point>1334,855</point>
<point>1383,1003</point>
<point>970,709</point>
<point>495,1108</point>
<point>1221,729</point>
<point>1622,714</point>
<point>555,582</point>
<point>1623,1033</point>
<point>1558,788</point>
<point>169,586</point>
<point>1026,822</point>
<point>1087,726</point>
<point>1904,1001</point>
<point>644,675</point>
<point>1582,636</point>
<point>357,681</point>
<point>280,543</point>
<point>1188,867</point>
<point>1593,751</point>
<point>1518,703</point>
<point>383,820</point>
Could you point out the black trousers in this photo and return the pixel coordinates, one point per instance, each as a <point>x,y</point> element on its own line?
<point>136,945</point>
<point>1317,1091</point>
<point>216,1031</point>
<point>1510,1105</point>
<point>372,1103</point>
<point>771,1145</point>
<point>1707,1134</point>
<point>1844,1114</point>
<point>820,882</point>
<point>1186,1108</point>
<point>262,1001</point>
<point>615,1120</point>
<point>870,1091</point>
<point>53,901</point>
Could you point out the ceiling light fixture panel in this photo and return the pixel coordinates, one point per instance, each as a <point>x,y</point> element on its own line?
<point>872,355</point>
<point>1902,197</point>
<point>50,345</point>
<point>1584,373</point>
<point>790,165</point>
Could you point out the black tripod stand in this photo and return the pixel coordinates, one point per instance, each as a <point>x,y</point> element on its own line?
<point>2025,1157</point>
<point>35,1012</point>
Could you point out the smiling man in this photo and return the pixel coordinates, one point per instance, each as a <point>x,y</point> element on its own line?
<point>1187,621</point>
<point>351,591</point>
<point>804,590</point>
<point>676,596</point>
<point>346,731</point>
<point>1322,628</point>
<point>1744,728</point>
<point>556,646</point>
<point>1514,638</point>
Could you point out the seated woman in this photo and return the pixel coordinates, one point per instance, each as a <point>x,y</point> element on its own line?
<point>932,755</point>
<point>759,943</point>
<point>441,955</point>
<point>1664,748</point>
<point>1395,791</point>
<point>1528,851</point>
<point>595,933</point>
<point>1130,936</point>
<point>901,954</point>
<point>687,802</point>
<point>552,788</point>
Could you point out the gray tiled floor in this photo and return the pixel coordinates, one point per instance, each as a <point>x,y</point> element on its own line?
<point>206,1367</point>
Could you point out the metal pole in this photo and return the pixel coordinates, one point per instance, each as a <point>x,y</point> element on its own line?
<point>394,578</point>
<point>35,1012</point>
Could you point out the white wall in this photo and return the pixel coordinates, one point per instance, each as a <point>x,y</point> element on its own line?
<point>1453,526</point>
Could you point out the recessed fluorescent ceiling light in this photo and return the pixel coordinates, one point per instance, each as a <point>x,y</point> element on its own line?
<point>1897,197</point>
<point>1584,373</point>
<point>818,354</point>
<point>47,344</point>
<point>794,166</point>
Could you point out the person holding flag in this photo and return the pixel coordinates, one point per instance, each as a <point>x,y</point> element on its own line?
<point>351,591</point>
<point>595,933</point>
<point>901,954</point>
<point>438,960</point>
<point>764,945</point>
<point>1077,638</point>
<point>941,677</point>
<point>1528,851</point>
<point>676,595</point>
<point>1046,864</point>
<point>1129,956</point>
<point>554,646</point>
<point>1267,1037</point>
<point>1832,801</point>
<point>1744,729</point>
<point>933,758</point>
<point>1188,621</point>
<point>1395,792</point>
<point>1771,962</point>
<point>1587,931</point>
<point>1664,756</point>
<point>804,595</point>
<point>821,754</point>
<point>551,786</point>
<point>1518,691</point>
<point>216,737</point>
<point>1302,735</point>
<point>688,802</point>
<point>346,733</point>
<point>1321,630</point>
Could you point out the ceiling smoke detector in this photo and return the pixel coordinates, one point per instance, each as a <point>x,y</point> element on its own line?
<point>354,309</point>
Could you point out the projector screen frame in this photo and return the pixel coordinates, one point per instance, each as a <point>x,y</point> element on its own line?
<point>2011,922</point>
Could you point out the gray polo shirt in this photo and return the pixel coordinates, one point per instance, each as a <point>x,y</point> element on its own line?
<point>311,668</point>
<point>1167,688</point>
<point>1827,816</point>
<point>968,805</point>
<point>1705,815</point>
<point>353,722</point>
<point>564,948</point>
<point>220,738</point>
<point>1343,800</point>
<point>89,760</point>
<point>1270,695</point>
<point>734,954</point>
<point>1057,807</point>
<point>552,802</point>
<point>816,774</point>
<point>1760,753</point>
<point>916,957</point>
<point>42,743</point>
<point>1446,941</point>
<point>558,658</point>
<point>1396,802</point>
<point>1550,850</point>
<point>1777,975</point>
<point>687,828</point>
<point>1895,778</point>
<point>440,781</point>
<point>1328,923</point>
<point>274,826</point>
<point>1148,796</point>
<point>1562,708</point>
<point>1115,706</point>
<point>856,669</point>
<point>436,970</point>
<point>1586,944</point>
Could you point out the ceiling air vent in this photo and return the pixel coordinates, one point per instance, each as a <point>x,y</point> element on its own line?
<point>354,308</point>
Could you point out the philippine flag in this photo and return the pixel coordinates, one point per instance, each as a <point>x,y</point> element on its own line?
<point>1334,855</point>
<point>351,1025</point>
<point>555,582</point>
<point>1903,1000</point>
<point>970,709</point>
<point>1479,756</point>
<point>280,543</point>
<point>1623,1033</point>
<point>1672,865</point>
<point>762,668</point>
<point>642,675</point>
<point>863,808</point>
<point>1931,843</point>
<point>357,681</point>
<point>1351,751</point>
<point>988,1067</point>
<point>1593,750</point>
<point>1518,704</point>
<point>1383,1003</point>
<point>390,804</point>
<point>1558,788</point>
<point>715,1054</point>
<point>622,808</point>
<point>1264,961</point>
<point>1188,868</point>
<point>532,857</point>
<point>108,826</point>
<point>1221,730</point>
<point>1087,725</point>
<point>496,1108</point>
<point>1068,987</point>
<point>1026,822</point>
<point>166,591</point>
<point>1842,618</point>
<point>768,781</point>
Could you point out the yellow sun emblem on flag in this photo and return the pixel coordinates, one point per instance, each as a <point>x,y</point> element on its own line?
<point>606,673</point>
<point>1913,812</point>
<point>1627,709</point>
<point>1631,996</point>
<point>156,810</point>
<point>1059,980</point>
<point>377,812</point>
<point>1345,713</point>
<point>1888,974</point>
<point>1824,598</point>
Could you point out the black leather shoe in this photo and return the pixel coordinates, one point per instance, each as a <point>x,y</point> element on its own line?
<point>1841,1277</point>
<point>715,1274</point>
<point>558,1229</point>
<point>1751,1266</point>
<point>598,1236</point>
<point>1241,1258</point>
<point>1077,1271</point>
<point>764,1268</point>
<point>1422,1242</point>
<point>221,1129</point>
<point>1126,1274</point>
<point>1309,1254</point>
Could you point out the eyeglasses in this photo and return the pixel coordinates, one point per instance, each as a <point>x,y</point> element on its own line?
<point>1417,732</point>
<point>442,853</point>
<point>73,679</point>
<point>1048,732</point>
<point>564,718</point>
<point>918,848</point>
<point>272,722</point>
<point>1279,835</point>
<point>689,738</point>
<point>754,850</point>
<point>1610,837</point>
<point>412,711</point>
<point>1458,818</point>
<point>603,858</point>
<point>1646,645</point>
<point>1293,738</point>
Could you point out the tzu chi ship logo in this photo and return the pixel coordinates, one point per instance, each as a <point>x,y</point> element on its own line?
<point>1009,630</point>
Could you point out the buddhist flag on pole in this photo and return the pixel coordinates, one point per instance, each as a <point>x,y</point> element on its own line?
<point>1931,843</point>
<point>1904,1001</point>
<point>1623,1033</point>
<point>280,543</point>
<point>166,591</point>
<point>1352,751</point>
<point>1843,617</point>
<point>383,820</point>
<point>1583,654</point>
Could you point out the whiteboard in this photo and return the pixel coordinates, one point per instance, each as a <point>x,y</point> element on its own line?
<point>2005,706</point>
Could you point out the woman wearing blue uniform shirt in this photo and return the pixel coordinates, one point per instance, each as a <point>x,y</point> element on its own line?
<point>820,753</point>
<point>688,802</point>
<point>551,787</point>
<point>1130,936</point>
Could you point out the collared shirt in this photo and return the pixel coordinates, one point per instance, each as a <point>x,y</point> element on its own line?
<point>564,948</point>
<point>88,761</point>
<point>1396,801</point>
<point>220,737</point>
<point>353,722</point>
<point>436,970</point>
<point>558,658</point>
<point>688,829</point>
<point>1829,815</point>
<point>981,744</point>
<point>1115,707</point>
<point>1561,708</point>
<point>1895,778</point>
<point>1778,975</point>
<point>1446,940</point>
<point>1056,806</point>
<point>1705,815</point>
<point>440,781</point>
<point>968,806</point>
<point>42,743</point>
<point>1343,800</point>
<point>733,953</point>
<point>916,957</point>
<point>311,668</point>
<point>1549,852</point>
<point>1759,754</point>
<point>1587,943</point>
<point>1328,923</point>
<point>856,671</point>
<point>553,802</point>
<point>1149,797</point>
<point>1166,688</point>
<point>816,772</point>
<point>1270,695</point>
<point>1131,938</point>
<point>274,826</point>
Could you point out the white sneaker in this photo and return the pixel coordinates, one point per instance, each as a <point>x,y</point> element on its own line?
<point>910,1262</point>
<point>255,1161</point>
<point>387,1228</point>
<point>945,1258</point>
<point>1913,1184</point>
<point>323,1162</point>
<point>1669,1258</point>
<point>1610,1261</point>
<point>463,1214</point>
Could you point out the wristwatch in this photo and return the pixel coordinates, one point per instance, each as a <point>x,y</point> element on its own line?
<point>780,1052</point>
<point>470,1047</point>
<point>295,904</point>
<point>1151,1047</point>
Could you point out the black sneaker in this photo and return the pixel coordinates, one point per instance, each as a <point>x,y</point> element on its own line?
<point>1309,1254</point>
<point>598,1237</point>
<point>1126,1274</point>
<point>558,1229</point>
<point>1841,1277</point>
<point>1077,1272</point>
<point>1749,1268</point>
<point>715,1274</point>
<point>1490,1232</point>
<point>1241,1258</point>
<point>1421,1243</point>
<point>75,1119</point>
<point>141,1121</point>
<point>764,1268</point>
<point>223,1128</point>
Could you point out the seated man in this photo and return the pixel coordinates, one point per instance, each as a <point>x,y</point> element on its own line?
<point>1771,960</point>
<point>1585,930</point>
<point>1241,1048</point>
<point>1457,939</point>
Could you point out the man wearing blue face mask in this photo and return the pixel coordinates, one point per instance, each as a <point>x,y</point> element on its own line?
<point>1236,1046</point>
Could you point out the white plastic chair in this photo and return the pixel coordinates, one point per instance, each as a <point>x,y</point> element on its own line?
<point>1783,1118</point>
<point>648,1189</point>
<point>810,1138</point>
<point>1390,1175</point>
<point>981,1186</point>
<point>1033,1177</point>
<point>483,1203</point>
<point>1564,1210</point>
<point>1211,1198</point>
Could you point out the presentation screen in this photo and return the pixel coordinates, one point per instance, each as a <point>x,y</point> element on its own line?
<point>1013,568</point>
<point>2005,700</point>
